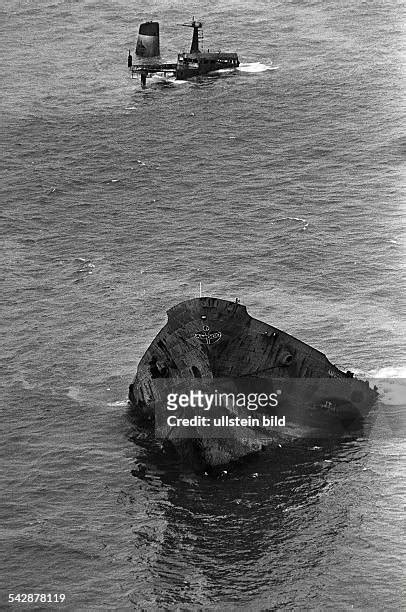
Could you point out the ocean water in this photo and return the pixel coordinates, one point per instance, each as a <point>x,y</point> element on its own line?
<point>281,184</point>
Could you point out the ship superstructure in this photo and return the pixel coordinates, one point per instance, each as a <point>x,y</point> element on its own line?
<point>195,63</point>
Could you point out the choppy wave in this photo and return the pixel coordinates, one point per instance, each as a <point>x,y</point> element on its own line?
<point>213,183</point>
<point>305,224</point>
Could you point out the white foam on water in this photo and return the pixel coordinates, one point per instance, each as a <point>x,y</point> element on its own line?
<point>174,81</point>
<point>160,78</point>
<point>390,381</point>
<point>117,404</point>
<point>255,67</point>
<point>74,393</point>
<point>393,391</point>
<point>388,372</point>
<point>221,71</point>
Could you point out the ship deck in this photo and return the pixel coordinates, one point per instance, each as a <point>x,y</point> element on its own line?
<point>152,68</point>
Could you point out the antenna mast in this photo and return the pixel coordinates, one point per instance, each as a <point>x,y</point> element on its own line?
<point>196,25</point>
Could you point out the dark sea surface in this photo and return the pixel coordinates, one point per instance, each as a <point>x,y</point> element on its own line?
<point>280,184</point>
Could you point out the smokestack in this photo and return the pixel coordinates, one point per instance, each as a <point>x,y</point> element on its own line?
<point>148,40</point>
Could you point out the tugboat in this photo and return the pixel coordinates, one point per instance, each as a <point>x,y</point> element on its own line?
<point>193,64</point>
<point>210,343</point>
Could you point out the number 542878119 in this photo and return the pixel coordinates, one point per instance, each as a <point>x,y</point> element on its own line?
<point>36,597</point>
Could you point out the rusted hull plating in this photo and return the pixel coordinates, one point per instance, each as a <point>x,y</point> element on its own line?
<point>210,338</point>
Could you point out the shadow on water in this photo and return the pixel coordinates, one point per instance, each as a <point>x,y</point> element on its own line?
<point>246,533</point>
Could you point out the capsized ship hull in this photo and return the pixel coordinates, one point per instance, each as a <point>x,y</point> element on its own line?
<point>210,339</point>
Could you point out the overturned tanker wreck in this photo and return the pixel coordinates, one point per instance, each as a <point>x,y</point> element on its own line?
<point>193,64</point>
<point>212,348</point>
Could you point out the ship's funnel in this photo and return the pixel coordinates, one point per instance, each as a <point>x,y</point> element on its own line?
<point>148,40</point>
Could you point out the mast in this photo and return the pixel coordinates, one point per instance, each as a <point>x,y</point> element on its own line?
<point>196,25</point>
